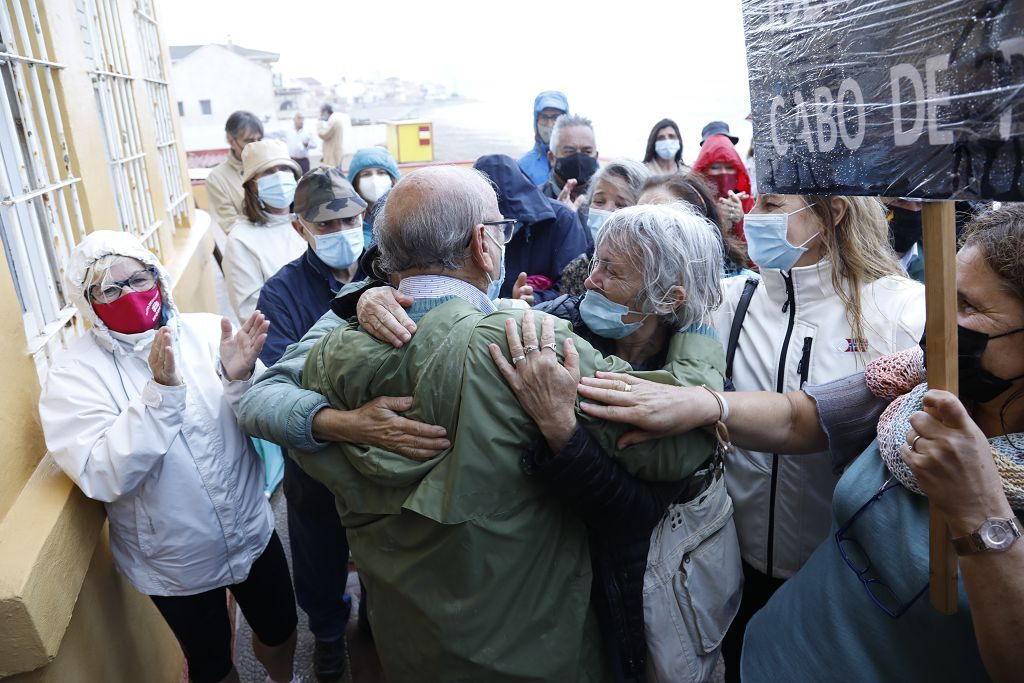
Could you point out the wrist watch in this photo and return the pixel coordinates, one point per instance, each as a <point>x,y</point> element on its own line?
<point>995,534</point>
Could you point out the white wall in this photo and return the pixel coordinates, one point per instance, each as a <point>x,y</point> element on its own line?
<point>230,82</point>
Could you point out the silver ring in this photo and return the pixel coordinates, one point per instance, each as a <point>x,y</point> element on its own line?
<point>517,360</point>
<point>626,387</point>
<point>913,444</point>
<point>530,348</point>
<point>551,346</point>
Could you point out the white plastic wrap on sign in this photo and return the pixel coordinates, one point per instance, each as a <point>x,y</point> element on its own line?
<point>909,99</point>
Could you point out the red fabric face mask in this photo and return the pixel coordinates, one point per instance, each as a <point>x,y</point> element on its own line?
<point>133,313</point>
<point>725,182</point>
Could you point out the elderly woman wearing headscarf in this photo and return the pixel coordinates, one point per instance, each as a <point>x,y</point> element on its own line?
<point>140,414</point>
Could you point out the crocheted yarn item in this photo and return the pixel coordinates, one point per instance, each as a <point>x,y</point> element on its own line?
<point>896,374</point>
<point>892,434</point>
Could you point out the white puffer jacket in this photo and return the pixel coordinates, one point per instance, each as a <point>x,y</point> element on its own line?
<point>796,331</point>
<point>182,484</point>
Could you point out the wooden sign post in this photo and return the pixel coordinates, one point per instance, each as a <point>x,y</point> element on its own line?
<point>938,221</point>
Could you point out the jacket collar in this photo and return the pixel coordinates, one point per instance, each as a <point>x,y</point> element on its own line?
<point>234,163</point>
<point>313,264</point>
<point>812,282</point>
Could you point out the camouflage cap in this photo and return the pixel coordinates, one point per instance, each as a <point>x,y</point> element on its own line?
<point>323,194</point>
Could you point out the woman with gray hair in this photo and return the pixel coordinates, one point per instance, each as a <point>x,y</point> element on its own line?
<point>615,186</point>
<point>665,556</point>
<point>649,297</point>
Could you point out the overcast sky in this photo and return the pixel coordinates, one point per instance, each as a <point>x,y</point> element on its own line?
<point>616,48</point>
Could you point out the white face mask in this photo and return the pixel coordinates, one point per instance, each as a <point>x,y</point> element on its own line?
<point>545,133</point>
<point>666,149</point>
<point>371,187</point>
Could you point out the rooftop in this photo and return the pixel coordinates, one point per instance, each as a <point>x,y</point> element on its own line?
<point>183,51</point>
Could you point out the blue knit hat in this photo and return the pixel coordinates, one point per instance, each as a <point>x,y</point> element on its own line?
<point>373,157</point>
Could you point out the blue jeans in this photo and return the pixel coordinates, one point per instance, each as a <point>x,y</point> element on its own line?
<point>319,553</point>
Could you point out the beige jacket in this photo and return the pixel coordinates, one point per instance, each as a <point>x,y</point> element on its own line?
<point>224,190</point>
<point>254,253</point>
<point>331,132</point>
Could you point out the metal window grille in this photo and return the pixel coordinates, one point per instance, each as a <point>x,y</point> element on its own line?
<point>40,217</point>
<point>160,99</point>
<point>115,97</point>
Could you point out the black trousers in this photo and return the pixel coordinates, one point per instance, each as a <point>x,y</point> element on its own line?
<point>200,622</point>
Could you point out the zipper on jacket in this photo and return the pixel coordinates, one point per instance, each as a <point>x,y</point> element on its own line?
<point>804,368</point>
<point>790,305</point>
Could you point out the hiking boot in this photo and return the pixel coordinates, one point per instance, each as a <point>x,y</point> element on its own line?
<point>329,659</point>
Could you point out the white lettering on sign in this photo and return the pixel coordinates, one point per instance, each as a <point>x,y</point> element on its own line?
<point>1011,47</point>
<point>825,116</point>
<point>852,142</point>
<point>898,74</point>
<point>778,102</point>
<point>932,66</point>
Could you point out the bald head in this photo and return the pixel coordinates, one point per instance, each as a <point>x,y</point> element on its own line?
<point>429,216</point>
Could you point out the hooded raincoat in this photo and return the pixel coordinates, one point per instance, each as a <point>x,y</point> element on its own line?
<point>718,149</point>
<point>549,234</point>
<point>535,162</point>
<point>488,574</point>
<point>181,482</point>
<point>372,157</point>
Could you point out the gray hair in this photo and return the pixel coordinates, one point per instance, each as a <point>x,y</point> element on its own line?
<point>567,121</point>
<point>429,217</point>
<point>625,174</point>
<point>670,244</point>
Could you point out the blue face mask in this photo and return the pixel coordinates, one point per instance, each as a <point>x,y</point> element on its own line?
<point>604,317</point>
<point>340,249</point>
<point>277,190</point>
<point>767,243</point>
<point>595,219</point>
<point>494,288</point>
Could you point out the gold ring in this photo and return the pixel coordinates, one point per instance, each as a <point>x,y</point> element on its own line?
<point>913,444</point>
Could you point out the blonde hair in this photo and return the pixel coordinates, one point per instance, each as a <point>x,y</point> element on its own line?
<point>858,248</point>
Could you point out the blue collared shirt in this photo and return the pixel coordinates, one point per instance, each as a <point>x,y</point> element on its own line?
<point>425,287</point>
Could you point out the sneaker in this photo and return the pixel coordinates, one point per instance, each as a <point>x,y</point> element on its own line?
<point>329,659</point>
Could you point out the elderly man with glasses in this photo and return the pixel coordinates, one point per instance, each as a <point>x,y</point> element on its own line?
<point>474,571</point>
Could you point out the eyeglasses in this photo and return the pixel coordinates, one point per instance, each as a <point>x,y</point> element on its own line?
<point>508,228</point>
<point>140,281</point>
<point>857,560</point>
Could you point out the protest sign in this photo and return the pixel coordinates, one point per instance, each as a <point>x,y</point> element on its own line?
<point>913,99</point>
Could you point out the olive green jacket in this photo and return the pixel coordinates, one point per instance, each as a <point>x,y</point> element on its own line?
<point>473,572</point>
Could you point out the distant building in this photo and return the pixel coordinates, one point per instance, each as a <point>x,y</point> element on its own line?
<point>211,81</point>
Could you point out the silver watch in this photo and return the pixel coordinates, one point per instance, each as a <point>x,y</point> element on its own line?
<point>995,534</point>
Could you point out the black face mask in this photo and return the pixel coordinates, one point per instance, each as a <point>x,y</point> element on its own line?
<point>578,166</point>
<point>976,383</point>
<point>904,229</point>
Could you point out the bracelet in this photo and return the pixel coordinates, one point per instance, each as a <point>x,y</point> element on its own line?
<point>723,405</point>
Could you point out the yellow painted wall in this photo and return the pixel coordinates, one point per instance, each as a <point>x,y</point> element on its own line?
<point>115,634</point>
<point>65,613</point>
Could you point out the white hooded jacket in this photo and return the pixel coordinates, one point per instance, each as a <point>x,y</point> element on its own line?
<point>181,482</point>
<point>796,332</point>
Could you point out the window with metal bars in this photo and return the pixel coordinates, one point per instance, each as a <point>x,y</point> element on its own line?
<point>40,217</point>
<point>115,98</point>
<point>159,93</point>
